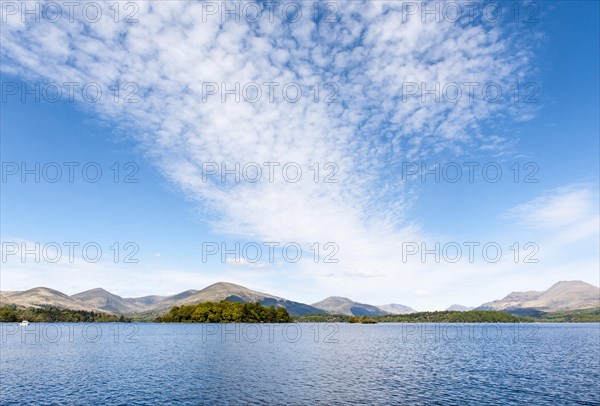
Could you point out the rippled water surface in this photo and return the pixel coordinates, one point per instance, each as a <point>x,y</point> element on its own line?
<point>134,364</point>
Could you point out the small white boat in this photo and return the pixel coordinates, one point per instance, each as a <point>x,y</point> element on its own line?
<point>24,323</point>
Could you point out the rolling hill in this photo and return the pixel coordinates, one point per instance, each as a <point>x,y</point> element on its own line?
<point>342,305</point>
<point>459,308</point>
<point>103,300</point>
<point>234,293</point>
<point>394,308</point>
<point>564,295</point>
<point>41,297</point>
<point>99,299</point>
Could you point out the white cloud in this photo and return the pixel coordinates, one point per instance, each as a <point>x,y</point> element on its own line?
<point>572,210</point>
<point>369,55</point>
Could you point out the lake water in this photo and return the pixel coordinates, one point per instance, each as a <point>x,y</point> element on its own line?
<point>300,364</point>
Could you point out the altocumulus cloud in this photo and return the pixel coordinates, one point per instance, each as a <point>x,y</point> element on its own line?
<point>368,53</point>
<point>566,215</point>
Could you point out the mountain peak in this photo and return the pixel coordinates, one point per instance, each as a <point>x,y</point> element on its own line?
<point>563,295</point>
<point>225,285</point>
<point>341,298</point>
<point>41,290</point>
<point>343,305</point>
<point>459,308</point>
<point>94,290</point>
<point>395,308</point>
<point>42,296</point>
<point>575,283</point>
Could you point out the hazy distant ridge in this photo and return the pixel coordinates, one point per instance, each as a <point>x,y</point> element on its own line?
<point>459,308</point>
<point>342,305</point>
<point>395,308</point>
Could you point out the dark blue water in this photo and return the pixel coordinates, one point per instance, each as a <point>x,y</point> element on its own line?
<point>301,364</point>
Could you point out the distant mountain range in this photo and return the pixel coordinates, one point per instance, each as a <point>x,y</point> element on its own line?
<point>101,300</point>
<point>460,308</point>
<point>106,301</point>
<point>39,297</point>
<point>394,308</point>
<point>565,295</point>
<point>342,305</point>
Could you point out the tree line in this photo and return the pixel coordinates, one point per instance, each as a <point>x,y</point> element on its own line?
<point>226,312</point>
<point>235,312</point>
<point>445,316</point>
<point>12,314</point>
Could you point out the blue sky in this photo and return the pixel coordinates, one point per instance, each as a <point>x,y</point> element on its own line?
<point>371,134</point>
